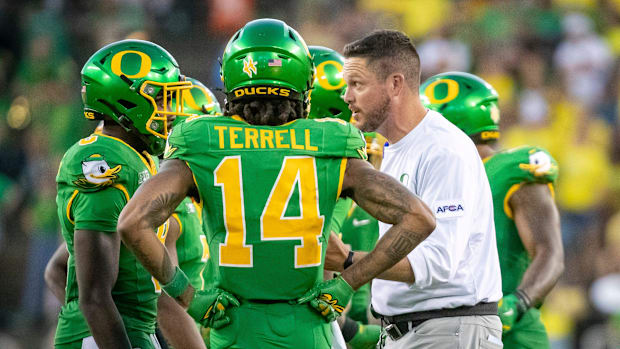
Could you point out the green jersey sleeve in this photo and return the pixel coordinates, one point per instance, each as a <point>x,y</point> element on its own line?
<point>98,210</point>
<point>91,167</point>
<point>535,165</point>
<point>341,210</point>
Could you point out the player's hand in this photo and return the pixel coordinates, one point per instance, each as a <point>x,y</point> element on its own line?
<point>208,307</point>
<point>337,253</point>
<point>508,311</point>
<point>329,298</point>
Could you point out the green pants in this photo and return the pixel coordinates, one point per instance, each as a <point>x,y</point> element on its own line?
<point>528,333</point>
<point>138,339</point>
<point>277,325</point>
<point>359,304</point>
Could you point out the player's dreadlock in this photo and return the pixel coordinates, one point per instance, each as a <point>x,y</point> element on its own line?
<point>270,112</point>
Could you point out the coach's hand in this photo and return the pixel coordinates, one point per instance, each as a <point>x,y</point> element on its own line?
<point>510,310</point>
<point>329,298</point>
<point>208,307</point>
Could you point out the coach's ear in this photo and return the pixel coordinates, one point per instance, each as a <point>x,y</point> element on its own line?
<point>395,84</point>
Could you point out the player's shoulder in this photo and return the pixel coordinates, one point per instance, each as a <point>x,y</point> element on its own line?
<point>97,162</point>
<point>528,163</point>
<point>338,135</point>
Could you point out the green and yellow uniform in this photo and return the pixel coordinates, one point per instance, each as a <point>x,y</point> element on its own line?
<point>268,193</point>
<point>192,253</point>
<point>191,244</point>
<point>361,231</point>
<point>507,171</point>
<point>97,176</point>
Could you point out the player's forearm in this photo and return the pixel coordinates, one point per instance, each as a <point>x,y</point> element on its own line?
<point>542,274</point>
<point>150,252</point>
<point>105,323</point>
<point>391,249</point>
<point>401,271</point>
<point>56,278</point>
<point>178,327</point>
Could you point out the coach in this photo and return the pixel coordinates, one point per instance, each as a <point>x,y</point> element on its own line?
<point>445,293</point>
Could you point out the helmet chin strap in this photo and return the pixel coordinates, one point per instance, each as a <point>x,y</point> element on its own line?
<point>126,123</point>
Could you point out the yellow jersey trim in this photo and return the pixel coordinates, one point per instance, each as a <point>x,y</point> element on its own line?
<point>511,191</point>
<point>552,190</point>
<point>198,207</point>
<point>123,189</point>
<point>238,118</point>
<point>75,192</point>
<point>176,216</point>
<point>148,162</point>
<point>343,167</point>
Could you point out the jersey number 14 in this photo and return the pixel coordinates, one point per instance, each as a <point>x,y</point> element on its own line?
<point>296,172</point>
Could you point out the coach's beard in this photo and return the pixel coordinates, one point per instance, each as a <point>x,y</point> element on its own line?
<point>376,116</point>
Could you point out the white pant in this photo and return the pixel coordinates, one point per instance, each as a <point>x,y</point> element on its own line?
<point>462,332</point>
<point>89,342</point>
<point>337,339</point>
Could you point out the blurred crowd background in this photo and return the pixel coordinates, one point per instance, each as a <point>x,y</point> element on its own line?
<point>554,63</point>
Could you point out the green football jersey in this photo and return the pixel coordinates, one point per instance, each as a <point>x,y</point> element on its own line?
<point>191,244</point>
<point>360,230</point>
<point>507,171</point>
<point>268,193</point>
<point>96,178</point>
<point>340,213</point>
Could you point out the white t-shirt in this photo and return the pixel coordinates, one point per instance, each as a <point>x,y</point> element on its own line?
<point>457,265</point>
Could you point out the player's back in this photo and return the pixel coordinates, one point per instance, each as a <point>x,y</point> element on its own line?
<point>508,170</point>
<point>268,194</point>
<point>96,178</point>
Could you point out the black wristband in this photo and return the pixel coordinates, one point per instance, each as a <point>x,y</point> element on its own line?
<point>349,260</point>
<point>525,302</point>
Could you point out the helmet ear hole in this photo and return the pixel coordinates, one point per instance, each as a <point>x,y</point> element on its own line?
<point>334,111</point>
<point>127,104</point>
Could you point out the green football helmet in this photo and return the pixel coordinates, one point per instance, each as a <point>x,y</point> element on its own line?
<point>198,101</point>
<point>267,59</point>
<point>467,101</point>
<point>329,86</point>
<point>126,80</point>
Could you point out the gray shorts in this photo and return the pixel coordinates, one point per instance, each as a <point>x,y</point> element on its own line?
<point>459,332</point>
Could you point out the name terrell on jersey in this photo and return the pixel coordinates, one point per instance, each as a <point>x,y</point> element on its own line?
<point>263,138</point>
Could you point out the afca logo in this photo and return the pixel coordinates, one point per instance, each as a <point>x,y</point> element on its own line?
<point>450,208</point>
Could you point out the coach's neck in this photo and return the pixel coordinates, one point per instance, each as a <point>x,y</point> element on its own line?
<point>406,112</point>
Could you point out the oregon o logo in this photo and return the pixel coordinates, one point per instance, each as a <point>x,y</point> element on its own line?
<point>145,64</point>
<point>320,72</point>
<point>190,101</point>
<point>451,85</point>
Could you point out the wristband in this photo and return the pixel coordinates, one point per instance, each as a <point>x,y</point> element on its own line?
<point>349,260</point>
<point>177,285</point>
<point>525,302</point>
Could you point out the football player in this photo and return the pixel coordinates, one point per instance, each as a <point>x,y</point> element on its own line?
<point>184,240</point>
<point>110,299</point>
<point>190,248</point>
<point>526,217</point>
<point>268,180</point>
<point>326,96</point>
